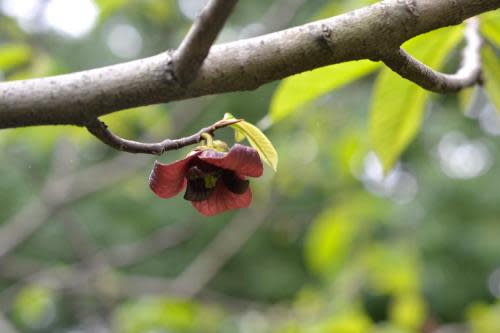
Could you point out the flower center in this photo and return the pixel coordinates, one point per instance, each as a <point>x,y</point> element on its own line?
<point>202,178</point>
<point>210,181</point>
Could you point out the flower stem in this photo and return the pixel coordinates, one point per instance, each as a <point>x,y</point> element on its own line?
<point>208,139</point>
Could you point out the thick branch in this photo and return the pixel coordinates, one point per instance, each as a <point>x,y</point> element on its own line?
<point>469,73</point>
<point>101,131</point>
<point>194,48</point>
<point>243,65</point>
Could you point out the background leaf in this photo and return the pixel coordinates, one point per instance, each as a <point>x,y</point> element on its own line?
<point>490,26</point>
<point>14,55</point>
<point>300,89</point>
<point>492,75</point>
<point>398,105</point>
<point>332,234</point>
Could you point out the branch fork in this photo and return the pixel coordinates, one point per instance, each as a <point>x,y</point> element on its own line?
<point>186,63</point>
<point>469,73</point>
<point>198,69</point>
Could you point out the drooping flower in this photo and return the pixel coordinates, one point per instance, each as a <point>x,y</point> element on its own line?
<point>215,181</point>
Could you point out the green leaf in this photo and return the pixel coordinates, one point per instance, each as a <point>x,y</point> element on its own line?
<point>492,76</point>
<point>239,135</point>
<point>408,310</point>
<point>257,139</point>
<point>392,269</point>
<point>108,7</point>
<point>332,235</point>
<point>34,306</point>
<point>466,98</point>
<point>490,26</point>
<point>300,89</point>
<point>333,8</point>
<point>14,55</point>
<point>398,105</point>
<point>329,240</point>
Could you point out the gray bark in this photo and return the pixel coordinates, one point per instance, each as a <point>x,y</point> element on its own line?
<point>367,33</point>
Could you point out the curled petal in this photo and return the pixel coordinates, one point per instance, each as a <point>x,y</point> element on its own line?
<point>243,160</point>
<point>222,200</point>
<point>167,180</point>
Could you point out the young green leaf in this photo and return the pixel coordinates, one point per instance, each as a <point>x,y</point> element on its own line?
<point>239,135</point>
<point>257,139</point>
<point>398,105</point>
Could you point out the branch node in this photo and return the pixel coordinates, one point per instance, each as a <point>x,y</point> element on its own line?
<point>411,5</point>
<point>325,39</point>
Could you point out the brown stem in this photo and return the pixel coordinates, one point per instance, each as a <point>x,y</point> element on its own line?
<point>100,130</point>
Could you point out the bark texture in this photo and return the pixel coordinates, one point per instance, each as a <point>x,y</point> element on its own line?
<point>367,33</point>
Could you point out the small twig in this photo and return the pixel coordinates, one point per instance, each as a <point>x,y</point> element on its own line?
<point>82,243</point>
<point>139,286</point>
<point>195,47</point>
<point>469,73</point>
<point>101,131</point>
<point>77,281</point>
<point>97,264</point>
<point>160,240</point>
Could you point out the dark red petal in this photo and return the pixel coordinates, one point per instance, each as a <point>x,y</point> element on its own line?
<point>234,183</point>
<point>222,200</point>
<point>243,160</point>
<point>166,180</point>
<point>196,190</point>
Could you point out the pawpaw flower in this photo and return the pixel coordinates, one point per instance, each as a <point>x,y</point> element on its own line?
<point>215,180</point>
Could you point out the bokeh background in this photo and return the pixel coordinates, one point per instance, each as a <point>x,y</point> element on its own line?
<point>330,244</point>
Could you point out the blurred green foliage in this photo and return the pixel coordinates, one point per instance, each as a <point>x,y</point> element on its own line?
<point>346,246</point>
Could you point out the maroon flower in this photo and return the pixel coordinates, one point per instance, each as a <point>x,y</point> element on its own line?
<point>216,181</point>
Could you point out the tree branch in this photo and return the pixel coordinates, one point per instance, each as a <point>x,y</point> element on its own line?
<point>101,131</point>
<point>195,47</point>
<point>469,73</point>
<point>366,33</point>
<point>158,241</point>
